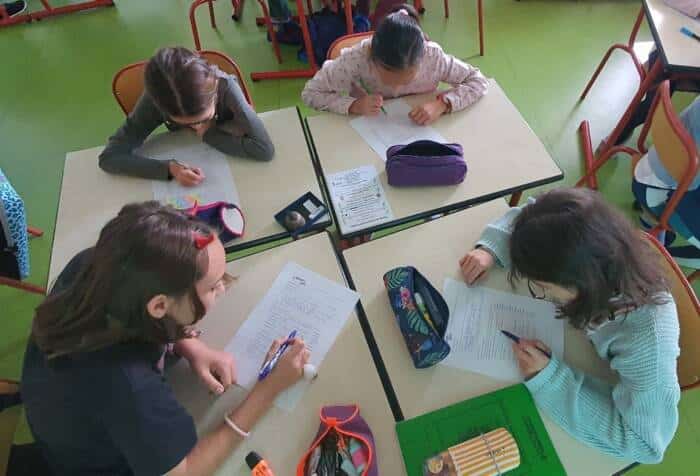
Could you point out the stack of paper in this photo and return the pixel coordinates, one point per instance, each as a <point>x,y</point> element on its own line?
<point>299,299</point>
<point>477,316</point>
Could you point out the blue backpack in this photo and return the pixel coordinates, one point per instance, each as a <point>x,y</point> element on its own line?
<point>325,27</point>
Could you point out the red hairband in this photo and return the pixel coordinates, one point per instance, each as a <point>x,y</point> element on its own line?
<point>201,241</point>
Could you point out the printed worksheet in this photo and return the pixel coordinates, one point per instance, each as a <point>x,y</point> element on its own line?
<point>358,198</point>
<point>299,299</point>
<point>185,147</point>
<point>393,128</point>
<point>477,316</point>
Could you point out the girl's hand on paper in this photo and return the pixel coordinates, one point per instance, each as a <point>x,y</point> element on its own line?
<point>476,265</point>
<point>369,105</point>
<point>290,366</point>
<point>428,113</point>
<point>531,359</point>
<point>215,368</point>
<point>185,175</point>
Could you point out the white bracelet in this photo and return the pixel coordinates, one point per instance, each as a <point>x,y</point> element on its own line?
<point>236,428</point>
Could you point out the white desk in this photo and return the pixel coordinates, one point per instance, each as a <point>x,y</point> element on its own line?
<point>346,376</point>
<point>503,156</point>
<point>434,248</point>
<point>679,52</point>
<point>91,197</point>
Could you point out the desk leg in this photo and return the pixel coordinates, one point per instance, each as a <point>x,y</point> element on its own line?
<point>480,12</point>
<point>515,198</point>
<point>649,80</point>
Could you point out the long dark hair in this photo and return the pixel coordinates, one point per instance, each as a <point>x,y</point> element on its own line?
<point>180,82</point>
<point>572,238</point>
<point>146,250</point>
<point>398,43</point>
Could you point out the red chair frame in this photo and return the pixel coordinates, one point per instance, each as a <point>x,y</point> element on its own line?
<point>663,98</point>
<point>50,11</point>
<point>627,48</point>
<point>236,5</point>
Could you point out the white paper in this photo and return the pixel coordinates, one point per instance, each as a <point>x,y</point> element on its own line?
<point>359,199</point>
<point>185,147</point>
<point>393,128</point>
<point>299,299</point>
<point>477,316</point>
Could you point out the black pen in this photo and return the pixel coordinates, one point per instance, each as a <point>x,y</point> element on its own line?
<point>516,339</point>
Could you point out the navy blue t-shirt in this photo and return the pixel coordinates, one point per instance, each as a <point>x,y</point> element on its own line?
<point>107,412</point>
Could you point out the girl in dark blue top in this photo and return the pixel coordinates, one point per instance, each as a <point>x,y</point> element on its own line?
<point>93,388</point>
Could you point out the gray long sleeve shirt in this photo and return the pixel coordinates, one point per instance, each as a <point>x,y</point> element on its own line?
<point>118,157</point>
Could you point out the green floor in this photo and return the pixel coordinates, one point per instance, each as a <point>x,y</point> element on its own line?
<point>55,97</point>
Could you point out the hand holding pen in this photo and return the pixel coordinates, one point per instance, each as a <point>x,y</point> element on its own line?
<point>184,174</point>
<point>532,355</point>
<point>369,104</point>
<point>286,362</point>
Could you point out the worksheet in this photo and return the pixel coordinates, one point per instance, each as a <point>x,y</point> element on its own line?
<point>299,299</point>
<point>393,128</point>
<point>358,198</point>
<point>477,316</point>
<point>185,147</point>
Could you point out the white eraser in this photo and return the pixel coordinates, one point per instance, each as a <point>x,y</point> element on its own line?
<point>310,372</point>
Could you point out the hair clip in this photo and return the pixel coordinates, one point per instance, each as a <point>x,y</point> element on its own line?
<point>200,240</point>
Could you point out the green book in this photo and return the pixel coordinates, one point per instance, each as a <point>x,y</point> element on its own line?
<point>511,408</point>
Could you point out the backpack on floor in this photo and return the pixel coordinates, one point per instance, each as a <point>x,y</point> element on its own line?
<point>325,27</point>
<point>14,242</point>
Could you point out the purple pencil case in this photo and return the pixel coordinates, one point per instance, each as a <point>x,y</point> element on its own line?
<point>425,163</point>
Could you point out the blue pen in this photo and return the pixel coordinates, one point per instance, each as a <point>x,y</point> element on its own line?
<point>516,339</point>
<point>270,364</point>
<point>686,31</point>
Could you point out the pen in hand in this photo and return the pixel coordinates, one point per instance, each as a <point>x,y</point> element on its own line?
<point>367,90</point>
<point>516,339</point>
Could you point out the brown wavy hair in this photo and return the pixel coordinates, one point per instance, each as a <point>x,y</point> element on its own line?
<point>180,82</point>
<point>146,250</point>
<point>572,238</point>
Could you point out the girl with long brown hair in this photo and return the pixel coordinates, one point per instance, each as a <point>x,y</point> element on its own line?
<point>184,91</point>
<point>92,384</point>
<point>577,251</point>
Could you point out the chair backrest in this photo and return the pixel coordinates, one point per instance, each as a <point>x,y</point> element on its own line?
<point>674,144</point>
<point>128,83</point>
<point>346,42</point>
<point>688,317</point>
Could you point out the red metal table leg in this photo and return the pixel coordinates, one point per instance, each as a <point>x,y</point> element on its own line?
<point>349,27</point>
<point>50,11</point>
<point>649,79</point>
<point>237,7</point>
<point>480,9</point>
<point>211,14</point>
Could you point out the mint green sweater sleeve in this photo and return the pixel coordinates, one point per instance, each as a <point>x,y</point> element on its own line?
<point>636,418</point>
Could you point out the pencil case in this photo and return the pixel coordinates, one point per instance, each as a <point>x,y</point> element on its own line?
<point>226,218</point>
<point>491,454</point>
<point>425,163</point>
<point>423,319</point>
<point>344,442</point>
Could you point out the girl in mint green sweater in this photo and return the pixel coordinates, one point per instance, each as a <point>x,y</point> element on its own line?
<point>577,251</point>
